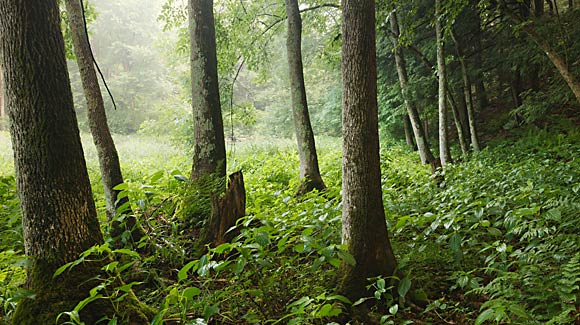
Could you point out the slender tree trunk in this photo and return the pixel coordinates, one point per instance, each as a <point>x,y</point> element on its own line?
<point>209,154</point>
<point>459,126</point>
<point>408,132</point>
<point>58,213</point>
<point>443,145</point>
<point>467,93</point>
<point>557,60</point>
<point>106,151</point>
<point>420,137</point>
<point>364,230</point>
<point>2,106</point>
<point>309,170</point>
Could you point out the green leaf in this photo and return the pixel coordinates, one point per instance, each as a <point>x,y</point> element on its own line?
<point>182,274</point>
<point>190,292</point>
<point>61,269</point>
<point>404,286</point>
<point>324,311</point>
<point>484,316</point>
<point>127,251</point>
<point>127,287</point>
<point>83,303</point>
<point>455,242</point>
<point>394,309</point>
<point>348,258</point>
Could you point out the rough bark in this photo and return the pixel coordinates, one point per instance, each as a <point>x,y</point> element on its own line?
<point>58,213</point>
<point>209,154</point>
<point>106,151</point>
<point>364,230</point>
<point>443,145</point>
<point>309,170</point>
<point>420,137</point>
<point>225,212</point>
<point>467,93</point>
<point>2,106</point>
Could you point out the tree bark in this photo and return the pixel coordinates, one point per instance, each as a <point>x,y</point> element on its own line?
<point>225,212</point>
<point>408,132</point>
<point>467,93</point>
<point>2,106</point>
<point>58,213</point>
<point>108,158</point>
<point>309,170</point>
<point>209,154</point>
<point>420,137</point>
<point>443,145</point>
<point>364,230</point>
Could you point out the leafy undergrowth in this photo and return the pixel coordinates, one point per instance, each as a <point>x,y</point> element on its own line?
<point>495,242</point>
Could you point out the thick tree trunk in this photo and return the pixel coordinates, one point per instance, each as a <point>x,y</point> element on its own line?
<point>58,213</point>
<point>309,170</point>
<point>2,106</point>
<point>106,151</point>
<point>420,137</point>
<point>225,212</point>
<point>467,93</point>
<point>209,154</point>
<point>443,145</point>
<point>364,230</point>
<point>408,132</point>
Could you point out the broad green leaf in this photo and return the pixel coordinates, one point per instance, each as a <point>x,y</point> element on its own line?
<point>404,286</point>
<point>484,316</point>
<point>182,274</point>
<point>190,292</point>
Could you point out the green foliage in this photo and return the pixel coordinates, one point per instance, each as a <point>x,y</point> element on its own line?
<point>506,222</point>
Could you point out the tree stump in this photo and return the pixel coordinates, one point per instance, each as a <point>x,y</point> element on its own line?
<point>225,212</point>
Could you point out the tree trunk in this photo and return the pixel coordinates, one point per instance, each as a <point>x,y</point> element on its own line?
<point>58,213</point>
<point>467,93</point>
<point>420,137</point>
<point>225,212</point>
<point>459,126</point>
<point>2,107</point>
<point>309,170</point>
<point>557,60</point>
<point>443,145</point>
<point>106,151</point>
<point>209,154</point>
<point>364,230</point>
<point>408,132</point>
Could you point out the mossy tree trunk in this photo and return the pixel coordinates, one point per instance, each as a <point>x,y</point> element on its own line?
<point>106,151</point>
<point>309,170</point>
<point>420,137</point>
<point>364,229</point>
<point>444,154</point>
<point>209,154</point>
<point>58,213</point>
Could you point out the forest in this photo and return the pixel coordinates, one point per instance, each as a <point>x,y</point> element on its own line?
<point>289,162</point>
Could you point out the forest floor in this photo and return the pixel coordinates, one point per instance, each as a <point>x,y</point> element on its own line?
<point>496,241</point>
